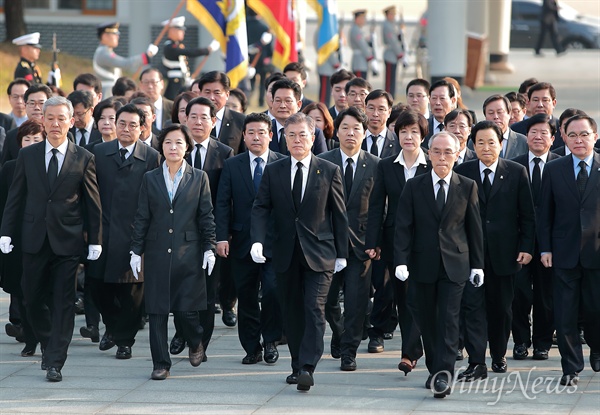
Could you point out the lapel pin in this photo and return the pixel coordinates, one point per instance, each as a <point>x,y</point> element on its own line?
<point>318,171</point>
<point>502,177</point>
<point>365,165</point>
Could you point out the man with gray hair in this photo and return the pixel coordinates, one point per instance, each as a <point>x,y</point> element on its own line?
<point>53,190</point>
<point>302,198</point>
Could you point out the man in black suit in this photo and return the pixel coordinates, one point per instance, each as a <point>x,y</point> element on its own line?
<point>549,24</point>
<point>442,98</point>
<point>147,137</point>
<point>533,283</point>
<point>228,128</point>
<point>237,190</point>
<point>16,98</point>
<point>459,123</point>
<point>83,130</point>
<point>417,96</point>
<point>152,84</point>
<point>286,102</point>
<point>440,242</point>
<point>35,97</point>
<point>497,109</point>
<point>568,237</point>
<point>310,241</point>
<point>208,155</point>
<point>121,165</point>
<point>56,192</point>
<point>564,116</point>
<point>360,170</point>
<point>541,100</point>
<point>380,141</point>
<point>295,72</point>
<point>338,83</point>
<point>357,90</point>
<point>508,219</point>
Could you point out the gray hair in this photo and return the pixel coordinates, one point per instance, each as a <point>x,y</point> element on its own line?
<point>299,118</point>
<point>57,101</point>
<point>449,134</point>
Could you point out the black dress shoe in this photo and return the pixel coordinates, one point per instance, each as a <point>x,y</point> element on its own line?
<point>540,354</point>
<point>107,342</point>
<point>292,379</point>
<point>29,349</point>
<point>159,374</point>
<point>441,389</point>
<point>499,366</point>
<point>14,330</point>
<point>406,367</point>
<point>569,380</point>
<point>388,336</point>
<point>520,352</point>
<point>473,372</point>
<point>459,354</point>
<point>428,382</point>
<point>90,332</point>
<point>305,380</point>
<point>595,361</point>
<point>79,307</point>
<point>336,352</point>
<point>229,318</point>
<point>205,358</point>
<point>196,355</point>
<point>582,337</point>
<point>252,358</point>
<point>271,354</point>
<point>348,364</point>
<point>53,374</point>
<point>123,352</point>
<point>375,345</point>
<point>217,309</point>
<point>177,345</point>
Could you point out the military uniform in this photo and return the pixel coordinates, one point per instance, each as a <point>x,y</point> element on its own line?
<point>325,70</point>
<point>25,68</point>
<point>393,53</point>
<point>362,53</point>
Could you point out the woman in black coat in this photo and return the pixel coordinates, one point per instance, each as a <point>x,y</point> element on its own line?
<point>174,229</point>
<point>11,265</point>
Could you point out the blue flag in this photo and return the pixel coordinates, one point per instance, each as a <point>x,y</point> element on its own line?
<point>328,38</point>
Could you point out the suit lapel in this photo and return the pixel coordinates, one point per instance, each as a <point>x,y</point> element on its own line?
<point>70,156</point>
<point>286,181</point>
<point>41,164</point>
<point>211,155</point>
<point>160,180</point>
<point>361,166</point>
<point>246,172</point>
<point>499,177</point>
<point>569,175</point>
<point>453,190</point>
<point>314,172</point>
<point>594,179</point>
<point>428,190</point>
<point>187,174</point>
<point>509,143</point>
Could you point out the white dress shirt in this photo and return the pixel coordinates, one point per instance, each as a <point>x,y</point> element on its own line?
<point>504,142</point>
<point>158,107</point>
<point>493,168</point>
<point>436,124</point>
<point>305,166</point>
<point>345,162</point>
<point>219,121</point>
<point>60,156</point>
<point>380,141</point>
<point>264,157</point>
<point>128,148</point>
<point>88,133</point>
<point>203,151</point>
<point>436,185</point>
<point>542,163</point>
<point>173,184</point>
<point>409,173</point>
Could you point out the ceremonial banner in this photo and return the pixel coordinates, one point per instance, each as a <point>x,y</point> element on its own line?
<point>225,20</point>
<point>279,15</point>
<point>328,38</point>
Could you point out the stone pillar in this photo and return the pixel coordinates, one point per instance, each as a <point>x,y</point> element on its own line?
<point>139,28</point>
<point>447,39</point>
<point>499,35</point>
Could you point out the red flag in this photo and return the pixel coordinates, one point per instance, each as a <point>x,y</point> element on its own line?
<point>280,16</point>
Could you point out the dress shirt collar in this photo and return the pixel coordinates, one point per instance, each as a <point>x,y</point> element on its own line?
<point>436,123</point>
<point>264,156</point>
<point>381,134</point>
<point>220,114</point>
<point>346,157</point>
<point>436,178</point>
<point>420,159</point>
<point>493,167</point>
<point>129,149</point>
<point>543,157</point>
<point>158,104</point>
<point>588,161</point>
<point>62,149</point>
<point>305,161</point>
<point>279,126</point>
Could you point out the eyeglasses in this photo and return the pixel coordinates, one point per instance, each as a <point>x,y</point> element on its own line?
<point>584,135</point>
<point>82,114</point>
<point>301,136</point>
<point>543,100</point>
<point>439,153</point>
<point>202,118</point>
<point>372,108</point>
<point>287,101</point>
<point>131,126</point>
<point>33,104</point>
<point>151,82</point>
<point>216,93</point>
<point>353,94</point>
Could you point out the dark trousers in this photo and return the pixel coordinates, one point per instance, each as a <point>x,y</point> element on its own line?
<point>50,279</point>
<point>533,287</point>
<point>303,293</point>
<point>391,70</point>
<point>190,330</point>
<point>121,308</point>
<point>474,323</point>
<point>28,334</point>
<point>499,294</point>
<point>436,308</point>
<point>324,89</point>
<point>14,313</point>
<point>227,292</point>
<point>383,316</point>
<point>572,288</point>
<point>92,314</point>
<point>255,318</point>
<point>356,282</point>
<point>551,27</point>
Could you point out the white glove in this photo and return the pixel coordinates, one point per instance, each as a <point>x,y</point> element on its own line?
<point>256,252</point>
<point>94,252</point>
<point>152,50</point>
<point>5,245</point>
<point>251,72</point>
<point>266,38</point>
<point>54,75</point>
<point>402,272</point>
<point>136,264</point>
<point>375,67</point>
<point>208,260</point>
<point>476,277</point>
<point>340,264</point>
<point>214,46</point>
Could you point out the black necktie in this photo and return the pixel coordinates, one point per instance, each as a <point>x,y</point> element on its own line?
<point>82,141</point>
<point>53,168</point>
<point>582,177</point>
<point>123,152</point>
<point>348,176</point>
<point>440,199</point>
<point>297,189</point>
<point>214,131</point>
<point>374,148</point>
<point>487,184</point>
<point>282,143</point>
<point>441,127</point>
<point>536,179</point>
<point>198,158</point>
<point>258,172</point>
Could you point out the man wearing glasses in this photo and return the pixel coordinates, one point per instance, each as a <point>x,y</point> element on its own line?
<point>357,90</point>
<point>152,84</point>
<point>83,130</point>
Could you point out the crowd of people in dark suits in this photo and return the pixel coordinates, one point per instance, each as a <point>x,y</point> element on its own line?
<point>410,214</point>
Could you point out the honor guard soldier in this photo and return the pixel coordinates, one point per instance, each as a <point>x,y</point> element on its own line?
<point>107,64</point>
<point>174,62</point>
<point>362,53</point>
<point>29,48</point>
<point>325,70</point>
<point>394,48</point>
